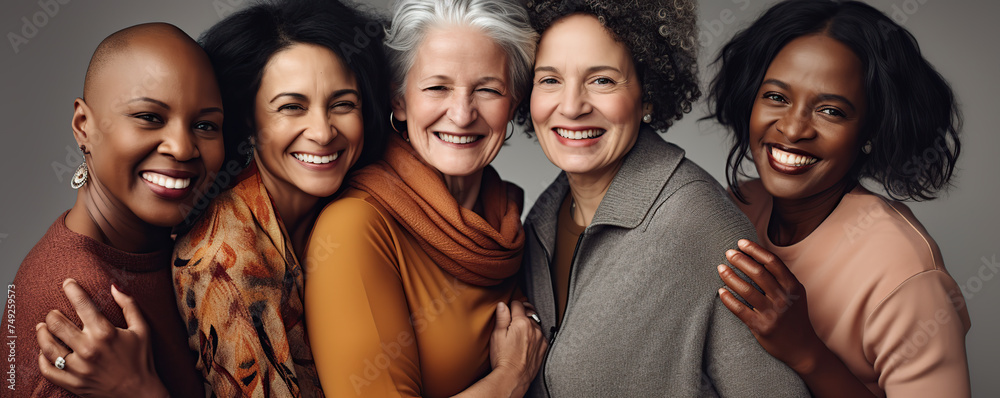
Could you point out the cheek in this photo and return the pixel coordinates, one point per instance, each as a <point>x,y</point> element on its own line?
<point>213,153</point>
<point>273,135</point>
<point>352,127</point>
<point>497,114</point>
<point>542,105</point>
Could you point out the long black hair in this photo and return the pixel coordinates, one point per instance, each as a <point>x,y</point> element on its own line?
<point>241,45</point>
<point>912,120</point>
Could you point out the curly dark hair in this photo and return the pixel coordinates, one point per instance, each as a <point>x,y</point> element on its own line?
<point>912,120</point>
<point>662,38</point>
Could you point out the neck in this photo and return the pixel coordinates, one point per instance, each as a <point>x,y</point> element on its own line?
<point>792,220</point>
<point>99,215</point>
<point>588,190</point>
<point>297,210</point>
<point>465,189</point>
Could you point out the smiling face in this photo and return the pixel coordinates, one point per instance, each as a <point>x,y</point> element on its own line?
<point>308,119</point>
<point>586,104</point>
<point>152,124</point>
<point>805,126</point>
<point>457,101</point>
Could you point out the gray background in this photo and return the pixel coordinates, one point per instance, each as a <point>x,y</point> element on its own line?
<point>41,79</point>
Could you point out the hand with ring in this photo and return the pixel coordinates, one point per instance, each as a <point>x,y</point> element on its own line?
<point>101,360</point>
<point>518,345</point>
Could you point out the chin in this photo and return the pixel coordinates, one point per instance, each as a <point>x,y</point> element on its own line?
<point>166,218</point>
<point>322,189</point>
<point>459,170</point>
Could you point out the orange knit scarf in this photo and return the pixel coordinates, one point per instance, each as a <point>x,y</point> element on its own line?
<point>477,251</point>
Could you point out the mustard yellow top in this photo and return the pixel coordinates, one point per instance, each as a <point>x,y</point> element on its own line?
<point>382,318</point>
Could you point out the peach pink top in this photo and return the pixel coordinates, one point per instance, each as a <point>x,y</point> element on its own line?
<point>879,295</point>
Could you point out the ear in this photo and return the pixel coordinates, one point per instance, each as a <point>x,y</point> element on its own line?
<point>83,120</point>
<point>398,104</point>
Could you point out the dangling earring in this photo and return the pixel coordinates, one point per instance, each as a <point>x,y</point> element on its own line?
<point>867,149</point>
<point>81,174</point>
<point>253,148</point>
<point>647,118</point>
<point>511,133</point>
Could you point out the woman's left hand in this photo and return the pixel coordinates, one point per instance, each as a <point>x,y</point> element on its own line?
<point>779,317</point>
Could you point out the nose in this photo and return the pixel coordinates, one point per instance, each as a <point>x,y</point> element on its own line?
<point>177,142</point>
<point>796,125</point>
<point>462,109</point>
<point>320,128</point>
<point>574,102</point>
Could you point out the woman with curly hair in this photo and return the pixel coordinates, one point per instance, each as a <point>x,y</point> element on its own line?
<point>621,249</point>
<point>820,96</point>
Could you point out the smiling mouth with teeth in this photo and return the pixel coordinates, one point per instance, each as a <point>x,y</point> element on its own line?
<point>791,159</point>
<point>458,139</point>
<point>307,158</point>
<point>165,181</point>
<point>579,135</point>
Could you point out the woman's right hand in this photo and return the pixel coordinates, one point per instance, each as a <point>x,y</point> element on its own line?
<point>517,346</point>
<point>102,360</point>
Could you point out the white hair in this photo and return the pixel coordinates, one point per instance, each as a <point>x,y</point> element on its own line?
<point>504,21</point>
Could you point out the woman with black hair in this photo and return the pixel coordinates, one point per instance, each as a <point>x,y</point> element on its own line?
<point>308,94</point>
<point>820,96</point>
<point>308,91</point>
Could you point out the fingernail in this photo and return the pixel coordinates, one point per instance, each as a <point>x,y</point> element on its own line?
<point>730,253</point>
<point>503,307</point>
<point>39,326</point>
<point>743,243</point>
<point>117,287</point>
<point>722,290</point>
<point>721,268</point>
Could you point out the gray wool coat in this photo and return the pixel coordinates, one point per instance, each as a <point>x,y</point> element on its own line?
<point>643,317</point>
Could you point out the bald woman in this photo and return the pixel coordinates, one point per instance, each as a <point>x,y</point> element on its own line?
<point>150,128</point>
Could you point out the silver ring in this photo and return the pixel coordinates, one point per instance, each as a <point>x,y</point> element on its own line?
<point>535,318</point>
<point>60,363</point>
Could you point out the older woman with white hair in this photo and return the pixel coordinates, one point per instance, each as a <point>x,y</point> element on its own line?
<point>411,289</point>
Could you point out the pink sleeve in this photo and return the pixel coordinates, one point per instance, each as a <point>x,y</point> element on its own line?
<point>916,338</point>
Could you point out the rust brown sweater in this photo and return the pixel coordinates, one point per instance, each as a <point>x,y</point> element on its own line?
<point>37,289</point>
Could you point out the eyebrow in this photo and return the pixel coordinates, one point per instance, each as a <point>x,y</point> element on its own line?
<point>478,82</point>
<point>592,69</point>
<point>821,97</point>
<point>301,97</point>
<point>164,105</point>
<point>150,100</point>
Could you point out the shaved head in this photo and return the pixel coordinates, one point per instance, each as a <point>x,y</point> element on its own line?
<point>145,37</point>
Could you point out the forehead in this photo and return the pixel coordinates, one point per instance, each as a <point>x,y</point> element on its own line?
<point>459,52</point>
<point>820,63</point>
<point>580,39</point>
<point>308,66</point>
<point>162,71</point>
